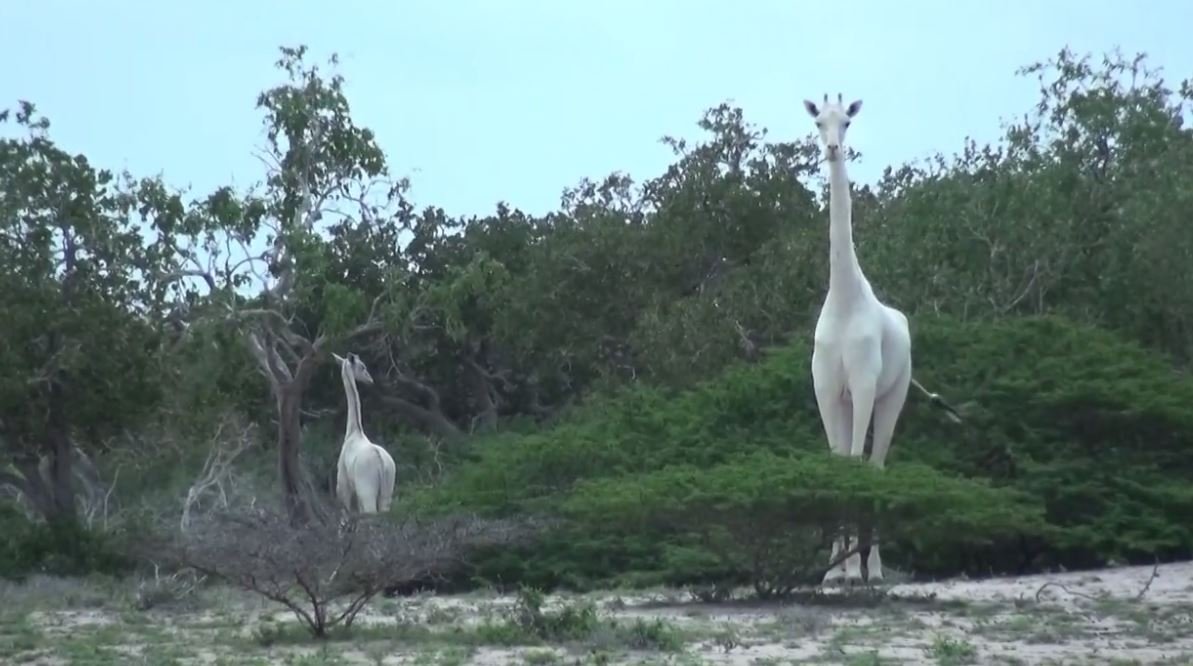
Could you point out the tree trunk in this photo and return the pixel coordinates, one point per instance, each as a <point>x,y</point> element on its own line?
<point>61,457</point>
<point>483,398</point>
<point>61,481</point>
<point>297,494</point>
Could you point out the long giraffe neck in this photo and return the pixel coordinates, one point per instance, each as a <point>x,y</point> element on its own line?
<point>353,426</point>
<point>845,273</point>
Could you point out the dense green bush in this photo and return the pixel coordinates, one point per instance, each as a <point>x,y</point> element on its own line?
<point>60,548</point>
<point>1095,426</point>
<point>1070,454</point>
<point>768,518</point>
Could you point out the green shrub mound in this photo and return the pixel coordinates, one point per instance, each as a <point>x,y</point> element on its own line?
<point>767,519</point>
<point>1097,428</point>
<point>1070,454</point>
<point>58,548</point>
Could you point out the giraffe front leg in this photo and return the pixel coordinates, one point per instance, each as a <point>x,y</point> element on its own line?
<point>837,414</point>
<point>874,560</point>
<point>862,390</point>
<point>836,572</point>
<point>853,563</point>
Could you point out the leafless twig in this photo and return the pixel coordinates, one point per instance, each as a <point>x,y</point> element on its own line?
<point>1148,585</point>
<point>215,472</point>
<point>1061,586</point>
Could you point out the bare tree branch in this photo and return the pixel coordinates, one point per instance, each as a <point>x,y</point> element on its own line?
<point>1034,272</point>
<point>190,272</point>
<point>309,569</point>
<point>431,420</point>
<point>216,469</point>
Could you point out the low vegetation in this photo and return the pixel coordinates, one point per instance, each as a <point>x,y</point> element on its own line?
<point>96,620</point>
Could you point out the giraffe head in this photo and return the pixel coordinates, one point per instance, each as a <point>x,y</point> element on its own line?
<point>832,120</point>
<point>355,367</point>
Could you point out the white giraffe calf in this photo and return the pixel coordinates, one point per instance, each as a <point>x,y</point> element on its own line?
<point>364,471</point>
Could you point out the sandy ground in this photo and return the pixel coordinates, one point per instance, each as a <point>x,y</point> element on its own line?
<point>1129,615</point>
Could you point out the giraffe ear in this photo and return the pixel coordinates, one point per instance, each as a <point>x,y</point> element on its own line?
<point>854,107</point>
<point>338,358</point>
<point>811,107</point>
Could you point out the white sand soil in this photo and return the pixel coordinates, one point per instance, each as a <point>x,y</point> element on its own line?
<point>1125,615</point>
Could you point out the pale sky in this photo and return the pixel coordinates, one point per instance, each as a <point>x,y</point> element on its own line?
<point>515,100</point>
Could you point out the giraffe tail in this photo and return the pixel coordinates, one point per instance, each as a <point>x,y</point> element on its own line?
<point>938,402</point>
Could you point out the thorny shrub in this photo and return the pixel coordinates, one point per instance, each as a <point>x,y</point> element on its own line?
<point>326,573</point>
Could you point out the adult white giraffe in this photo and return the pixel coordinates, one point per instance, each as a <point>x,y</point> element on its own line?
<point>364,471</point>
<point>861,356</point>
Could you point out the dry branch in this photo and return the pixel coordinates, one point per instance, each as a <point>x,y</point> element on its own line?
<point>325,573</point>
<point>1063,587</point>
<point>216,470</point>
<point>1148,585</point>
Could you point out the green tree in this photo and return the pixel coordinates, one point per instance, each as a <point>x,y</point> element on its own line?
<point>79,332</point>
<point>322,168</point>
<point>1078,211</point>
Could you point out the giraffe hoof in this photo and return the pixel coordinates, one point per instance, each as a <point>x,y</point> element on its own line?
<point>834,578</point>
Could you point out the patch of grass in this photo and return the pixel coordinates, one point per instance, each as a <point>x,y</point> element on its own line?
<point>453,656</point>
<point>267,634</point>
<point>505,634</point>
<point>441,615</point>
<point>574,625</point>
<point>978,610</point>
<point>800,621</point>
<point>215,621</point>
<point>952,652</point>
<point>44,593</point>
<point>865,659</point>
<point>577,623</point>
<point>165,655</point>
<point>117,642</point>
<point>856,635</point>
<point>19,636</point>
<point>321,658</point>
<point>727,638</point>
<point>1156,624</point>
<point>540,658</point>
<point>179,591</point>
<point>88,648</point>
<point>1038,625</point>
<point>573,621</point>
<point>654,635</point>
<point>1059,627</point>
